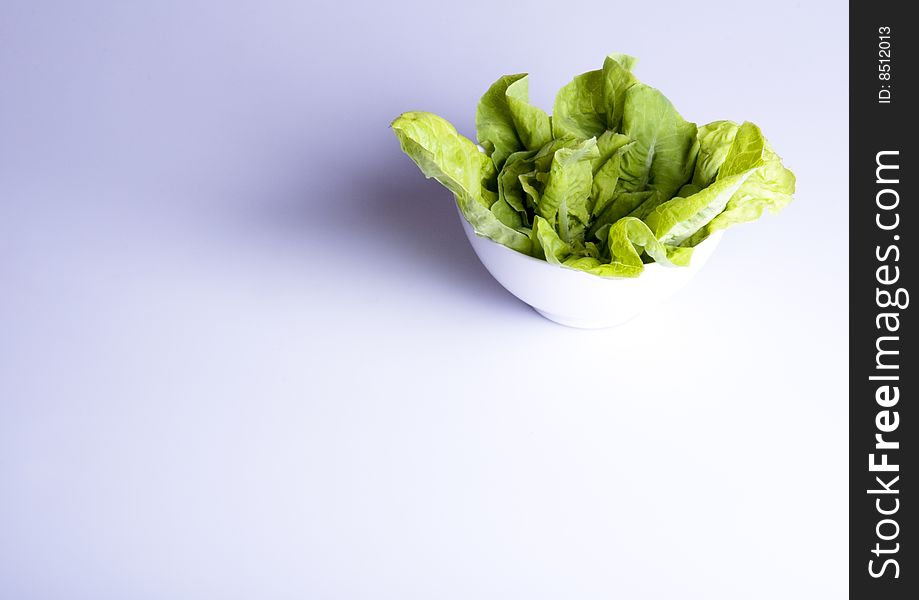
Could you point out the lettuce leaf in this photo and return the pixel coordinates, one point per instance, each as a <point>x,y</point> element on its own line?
<point>593,102</point>
<point>494,122</point>
<point>664,151</point>
<point>564,201</point>
<point>443,154</point>
<point>533,125</point>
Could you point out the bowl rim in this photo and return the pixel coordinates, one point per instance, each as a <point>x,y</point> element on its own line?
<point>716,236</point>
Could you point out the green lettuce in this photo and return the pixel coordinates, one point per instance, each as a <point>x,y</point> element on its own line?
<point>614,179</point>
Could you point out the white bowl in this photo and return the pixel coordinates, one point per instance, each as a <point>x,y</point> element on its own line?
<point>578,299</point>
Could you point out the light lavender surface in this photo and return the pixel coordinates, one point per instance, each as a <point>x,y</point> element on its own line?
<point>246,351</point>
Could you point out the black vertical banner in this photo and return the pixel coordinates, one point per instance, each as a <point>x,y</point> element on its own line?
<point>884,371</point>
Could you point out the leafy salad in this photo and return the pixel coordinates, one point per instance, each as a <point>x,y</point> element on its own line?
<point>615,178</point>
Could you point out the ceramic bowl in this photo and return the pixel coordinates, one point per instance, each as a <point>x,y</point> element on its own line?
<point>579,299</point>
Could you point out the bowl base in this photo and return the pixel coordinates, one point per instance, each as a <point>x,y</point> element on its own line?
<point>583,323</point>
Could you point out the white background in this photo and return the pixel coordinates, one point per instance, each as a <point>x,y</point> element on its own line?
<point>246,351</point>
